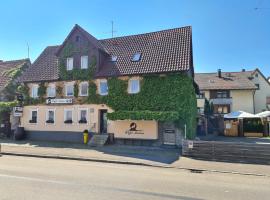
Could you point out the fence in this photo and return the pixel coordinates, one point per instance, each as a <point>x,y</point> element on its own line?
<point>227,151</point>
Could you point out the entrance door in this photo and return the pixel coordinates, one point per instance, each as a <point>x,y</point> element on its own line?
<point>103,121</point>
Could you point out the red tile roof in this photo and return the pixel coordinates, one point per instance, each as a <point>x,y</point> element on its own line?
<point>44,68</point>
<point>228,81</point>
<point>6,66</point>
<point>162,52</point>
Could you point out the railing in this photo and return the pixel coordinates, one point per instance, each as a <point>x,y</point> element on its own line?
<point>221,101</point>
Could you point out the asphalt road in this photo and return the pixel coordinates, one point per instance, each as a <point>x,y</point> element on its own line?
<point>37,178</point>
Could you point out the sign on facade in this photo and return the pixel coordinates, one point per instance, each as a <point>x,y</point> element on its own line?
<point>59,101</point>
<point>190,144</point>
<point>134,129</point>
<point>17,111</point>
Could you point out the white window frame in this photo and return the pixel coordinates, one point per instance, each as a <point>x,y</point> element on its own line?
<point>47,116</point>
<point>65,116</point>
<point>87,115</point>
<point>67,85</point>
<point>80,89</point>
<point>31,116</point>
<point>51,86</point>
<point>137,57</point>
<point>129,85</point>
<point>70,63</point>
<point>36,86</point>
<point>82,62</point>
<point>103,81</point>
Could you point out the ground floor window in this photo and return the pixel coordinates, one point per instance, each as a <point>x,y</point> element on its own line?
<point>83,116</point>
<point>50,116</point>
<point>68,116</point>
<point>33,116</point>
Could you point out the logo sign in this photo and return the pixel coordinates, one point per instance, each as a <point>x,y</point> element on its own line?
<point>59,101</point>
<point>133,129</point>
<point>190,144</point>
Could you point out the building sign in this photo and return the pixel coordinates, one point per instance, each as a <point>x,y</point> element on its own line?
<point>190,144</point>
<point>17,111</point>
<point>136,129</point>
<point>59,101</point>
<point>133,129</point>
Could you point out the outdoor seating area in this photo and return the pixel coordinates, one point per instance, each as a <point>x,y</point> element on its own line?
<point>245,124</point>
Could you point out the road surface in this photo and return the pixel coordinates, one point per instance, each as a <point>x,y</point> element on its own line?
<point>38,178</point>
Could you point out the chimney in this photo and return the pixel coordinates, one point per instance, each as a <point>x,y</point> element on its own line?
<point>243,70</point>
<point>219,73</point>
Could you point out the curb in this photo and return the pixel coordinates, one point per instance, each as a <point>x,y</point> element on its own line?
<point>192,170</point>
<point>80,159</point>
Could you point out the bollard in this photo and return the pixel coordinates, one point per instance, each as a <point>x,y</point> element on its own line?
<point>85,136</point>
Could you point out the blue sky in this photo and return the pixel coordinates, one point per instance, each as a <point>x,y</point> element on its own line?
<point>227,34</point>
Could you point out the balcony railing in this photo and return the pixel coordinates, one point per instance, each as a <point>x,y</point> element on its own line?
<point>221,101</point>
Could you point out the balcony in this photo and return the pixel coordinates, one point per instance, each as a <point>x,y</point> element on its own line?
<point>221,101</point>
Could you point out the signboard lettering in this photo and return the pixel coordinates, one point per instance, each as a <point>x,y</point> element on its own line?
<point>59,101</point>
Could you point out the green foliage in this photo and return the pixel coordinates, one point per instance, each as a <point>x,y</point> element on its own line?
<point>93,96</point>
<point>10,88</point>
<point>42,90</point>
<point>208,108</point>
<point>59,90</point>
<point>171,93</point>
<point>144,115</point>
<point>76,90</point>
<point>253,125</point>
<point>7,106</point>
<point>24,90</point>
<point>77,73</point>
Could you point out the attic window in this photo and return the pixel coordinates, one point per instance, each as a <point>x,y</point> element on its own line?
<point>114,58</point>
<point>77,38</point>
<point>136,57</point>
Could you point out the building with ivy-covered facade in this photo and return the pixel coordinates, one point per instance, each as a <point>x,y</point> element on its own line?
<point>10,71</point>
<point>138,88</point>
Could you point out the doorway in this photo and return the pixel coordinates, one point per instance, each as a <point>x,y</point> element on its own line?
<point>103,121</point>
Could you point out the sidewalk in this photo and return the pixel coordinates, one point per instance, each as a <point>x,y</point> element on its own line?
<point>122,154</point>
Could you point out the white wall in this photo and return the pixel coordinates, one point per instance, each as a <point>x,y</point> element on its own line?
<point>261,94</point>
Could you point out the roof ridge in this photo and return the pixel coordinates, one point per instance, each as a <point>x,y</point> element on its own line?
<point>224,72</point>
<point>164,30</point>
<point>10,61</point>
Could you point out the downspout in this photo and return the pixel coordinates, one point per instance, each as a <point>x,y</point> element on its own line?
<point>254,101</point>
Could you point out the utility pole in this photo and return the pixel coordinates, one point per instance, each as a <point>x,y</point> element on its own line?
<point>112,29</point>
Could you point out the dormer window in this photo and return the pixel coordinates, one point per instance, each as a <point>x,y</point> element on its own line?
<point>69,64</point>
<point>136,57</point>
<point>114,58</point>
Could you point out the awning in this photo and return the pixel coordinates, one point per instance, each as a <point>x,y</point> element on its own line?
<point>264,114</point>
<point>239,115</point>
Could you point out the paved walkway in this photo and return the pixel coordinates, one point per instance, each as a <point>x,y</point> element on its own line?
<point>158,157</point>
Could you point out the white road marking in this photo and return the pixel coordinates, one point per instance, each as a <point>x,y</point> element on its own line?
<point>35,179</point>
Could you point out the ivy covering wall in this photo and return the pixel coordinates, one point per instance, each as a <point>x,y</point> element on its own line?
<point>162,98</point>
